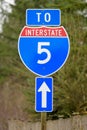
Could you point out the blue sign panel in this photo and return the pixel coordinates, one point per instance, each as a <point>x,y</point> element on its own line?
<point>43,17</point>
<point>44,95</point>
<point>43,55</point>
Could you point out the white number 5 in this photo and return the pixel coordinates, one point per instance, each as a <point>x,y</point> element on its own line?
<point>41,50</point>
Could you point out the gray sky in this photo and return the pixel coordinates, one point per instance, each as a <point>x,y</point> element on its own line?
<point>10,1</point>
<point>5,6</point>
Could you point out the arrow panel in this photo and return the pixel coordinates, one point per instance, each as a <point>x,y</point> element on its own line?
<point>44,94</point>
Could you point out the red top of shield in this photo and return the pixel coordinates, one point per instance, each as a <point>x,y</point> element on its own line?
<point>43,32</point>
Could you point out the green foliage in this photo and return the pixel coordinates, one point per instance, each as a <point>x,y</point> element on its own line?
<point>70,91</point>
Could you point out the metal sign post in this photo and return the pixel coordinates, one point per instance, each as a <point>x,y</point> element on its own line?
<point>43,120</point>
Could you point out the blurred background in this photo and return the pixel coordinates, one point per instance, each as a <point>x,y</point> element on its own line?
<point>17,84</point>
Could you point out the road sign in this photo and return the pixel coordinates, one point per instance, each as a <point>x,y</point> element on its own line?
<point>43,17</point>
<point>44,94</point>
<point>43,50</point>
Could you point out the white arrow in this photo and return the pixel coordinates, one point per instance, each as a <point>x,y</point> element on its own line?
<point>44,89</point>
